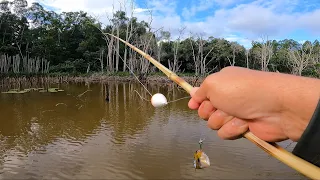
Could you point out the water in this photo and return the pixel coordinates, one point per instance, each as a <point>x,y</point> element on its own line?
<point>63,136</point>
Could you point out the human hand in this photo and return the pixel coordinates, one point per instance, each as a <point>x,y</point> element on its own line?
<point>273,106</point>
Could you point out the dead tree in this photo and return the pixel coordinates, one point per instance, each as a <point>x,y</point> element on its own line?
<point>235,48</point>
<point>247,58</point>
<point>266,53</point>
<point>129,32</point>
<point>199,58</point>
<point>175,65</point>
<point>110,41</point>
<point>300,58</point>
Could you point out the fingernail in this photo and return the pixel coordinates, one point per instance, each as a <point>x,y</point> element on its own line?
<point>238,122</point>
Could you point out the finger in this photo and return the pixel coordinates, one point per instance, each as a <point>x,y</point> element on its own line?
<point>199,94</point>
<point>217,119</point>
<point>193,90</point>
<point>233,129</point>
<point>205,110</point>
<point>192,104</point>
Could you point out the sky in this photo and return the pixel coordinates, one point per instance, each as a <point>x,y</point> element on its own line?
<point>235,20</point>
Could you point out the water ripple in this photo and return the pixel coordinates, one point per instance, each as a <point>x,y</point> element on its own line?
<point>118,140</point>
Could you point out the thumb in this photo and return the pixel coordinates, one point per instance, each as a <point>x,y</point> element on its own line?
<point>193,91</point>
<point>192,103</point>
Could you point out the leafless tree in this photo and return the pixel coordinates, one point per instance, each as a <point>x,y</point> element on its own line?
<point>301,58</point>
<point>146,43</point>
<point>247,58</point>
<point>200,60</point>
<point>30,65</point>
<point>101,59</point>
<point>110,41</point>
<point>236,48</point>
<point>129,32</point>
<point>5,63</point>
<point>175,65</point>
<point>266,53</point>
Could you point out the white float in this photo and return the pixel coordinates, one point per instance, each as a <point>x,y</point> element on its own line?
<point>158,100</point>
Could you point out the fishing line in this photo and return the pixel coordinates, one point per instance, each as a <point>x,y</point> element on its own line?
<point>141,96</point>
<point>168,101</point>
<point>134,75</point>
<point>143,84</point>
<point>131,70</point>
<point>179,99</point>
<point>201,160</point>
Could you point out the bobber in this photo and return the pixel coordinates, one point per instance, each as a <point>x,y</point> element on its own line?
<point>158,100</point>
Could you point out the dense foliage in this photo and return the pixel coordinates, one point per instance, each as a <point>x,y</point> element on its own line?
<point>35,40</point>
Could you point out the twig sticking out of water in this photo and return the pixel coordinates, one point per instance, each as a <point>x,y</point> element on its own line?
<point>80,107</point>
<point>83,93</point>
<point>45,111</point>
<point>61,104</point>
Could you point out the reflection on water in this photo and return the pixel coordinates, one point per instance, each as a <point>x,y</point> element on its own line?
<point>78,134</point>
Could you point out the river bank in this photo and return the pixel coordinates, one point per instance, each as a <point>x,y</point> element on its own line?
<point>35,80</point>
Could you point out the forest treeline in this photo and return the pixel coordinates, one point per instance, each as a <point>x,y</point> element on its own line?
<point>34,40</point>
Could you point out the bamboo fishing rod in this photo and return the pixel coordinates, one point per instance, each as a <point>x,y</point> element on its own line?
<point>295,162</point>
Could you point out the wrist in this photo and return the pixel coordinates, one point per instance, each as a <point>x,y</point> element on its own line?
<point>300,98</point>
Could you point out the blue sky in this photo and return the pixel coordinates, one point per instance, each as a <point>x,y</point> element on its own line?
<point>234,20</point>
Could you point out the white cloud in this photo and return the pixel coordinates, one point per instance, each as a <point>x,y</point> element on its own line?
<point>253,20</point>
<point>310,21</point>
<point>243,41</point>
<point>259,18</point>
<point>165,7</point>
<point>195,8</point>
<point>248,20</point>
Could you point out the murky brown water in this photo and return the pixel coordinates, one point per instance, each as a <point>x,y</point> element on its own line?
<point>61,135</point>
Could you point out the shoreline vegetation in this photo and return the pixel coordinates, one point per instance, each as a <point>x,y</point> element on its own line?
<point>37,44</point>
<point>51,83</point>
<point>98,77</point>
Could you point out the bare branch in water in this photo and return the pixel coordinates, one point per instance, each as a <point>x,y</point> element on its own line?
<point>84,93</point>
<point>61,104</point>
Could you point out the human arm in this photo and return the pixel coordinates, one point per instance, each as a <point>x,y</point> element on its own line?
<point>273,106</point>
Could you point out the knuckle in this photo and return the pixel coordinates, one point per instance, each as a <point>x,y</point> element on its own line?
<point>202,114</point>
<point>229,69</point>
<point>226,132</point>
<point>221,133</point>
<point>214,125</point>
<point>202,111</point>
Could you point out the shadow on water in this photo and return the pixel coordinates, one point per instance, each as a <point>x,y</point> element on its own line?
<point>78,134</point>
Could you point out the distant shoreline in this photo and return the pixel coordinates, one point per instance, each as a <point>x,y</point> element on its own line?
<point>94,78</point>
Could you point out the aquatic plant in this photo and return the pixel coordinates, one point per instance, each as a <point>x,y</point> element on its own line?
<point>14,91</point>
<point>41,90</point>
